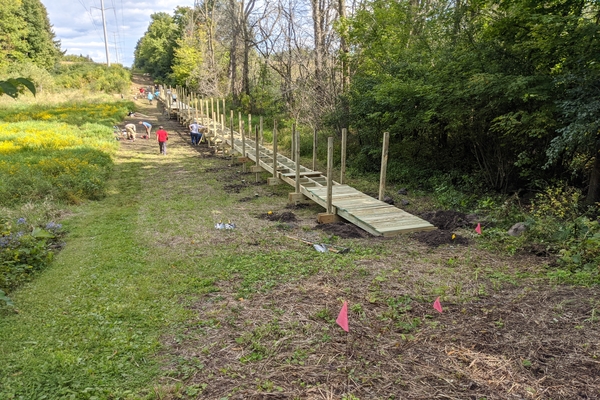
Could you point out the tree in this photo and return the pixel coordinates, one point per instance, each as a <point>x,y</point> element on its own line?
<point>43,48</point>
<point>154,51</point>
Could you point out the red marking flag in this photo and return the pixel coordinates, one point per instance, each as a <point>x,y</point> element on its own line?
<point>437,305</point>
<point>342,319</point>
<point>478,229</point>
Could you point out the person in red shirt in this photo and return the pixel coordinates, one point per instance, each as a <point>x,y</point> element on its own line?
<point>162,136</point>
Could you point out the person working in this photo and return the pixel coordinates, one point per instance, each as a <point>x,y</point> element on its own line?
<point>150,97</point>
<point>130,128</point>
<point>162,136</point>
<point>148,127</point>
<point>195,132</point>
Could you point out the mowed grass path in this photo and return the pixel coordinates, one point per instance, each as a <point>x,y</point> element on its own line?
<point>90,326</point>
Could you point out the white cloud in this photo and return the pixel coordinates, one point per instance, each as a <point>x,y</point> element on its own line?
<point>78,24</point>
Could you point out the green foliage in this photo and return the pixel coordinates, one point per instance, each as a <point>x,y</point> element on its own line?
<point>26,34</point>
<point>486,87</point>
<point>24,250</point>
<point>93,77</point>
<point>15,87</point>
<point>155,50</point>
<point>71,165</point>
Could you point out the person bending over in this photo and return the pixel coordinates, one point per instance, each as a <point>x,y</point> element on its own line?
<point>148,127</point>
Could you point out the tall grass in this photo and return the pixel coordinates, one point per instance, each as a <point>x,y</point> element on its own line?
<point>51,159</point>
<point>75,113</point>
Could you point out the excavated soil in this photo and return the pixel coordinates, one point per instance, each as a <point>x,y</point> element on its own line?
<point>343,230</point>
<point>286,216</point>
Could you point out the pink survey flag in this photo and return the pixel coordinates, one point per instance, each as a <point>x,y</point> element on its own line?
<point>478,228</point>
<point>342,319</point>
<point>437,305</point>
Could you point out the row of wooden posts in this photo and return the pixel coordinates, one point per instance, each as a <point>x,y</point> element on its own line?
<point>187,105</point>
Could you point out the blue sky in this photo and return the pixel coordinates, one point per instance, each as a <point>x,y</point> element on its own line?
<point>78,25</point>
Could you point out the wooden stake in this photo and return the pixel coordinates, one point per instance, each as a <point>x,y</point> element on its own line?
<point>343,166</point>
<point>384,159</point>
<point>257,169</point>
<point>212,106</point>
<point>297,155</point>
<point>275,149</point>
<point>314,166</point>
<point>231,134</point>
<point>293,147</point>
<point>275,179</point>
<point>218,107</point>
<point>329,175</point>
<point>249,124</point>
<point>262,137</point>
<point>243,146</point>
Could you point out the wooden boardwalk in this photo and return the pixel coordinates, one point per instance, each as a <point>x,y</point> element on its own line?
<point>366,212</point>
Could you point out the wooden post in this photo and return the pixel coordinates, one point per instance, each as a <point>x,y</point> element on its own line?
<point>196,107</point>
<point>189,106</point>
<point>274,180</point>
<point>231,134</point>
<point>219,107</point>
<point>243,138</point>
<point>223,106</point>
<point>297,135</point>
<point>231,131</point>
<point>343,166</point>
<point>262,136</point>
<point>169,99</point>
<point>243,159</point>
<point>256,169</point>
<point>314,166</point>
<point>201,107</point>
<point>240,122</point>
<point>328,216</point>
<point>293,145</point>
<point>212,106</point>
<point>249,124</point>
<point>223,141</point>
<point>384,159</point>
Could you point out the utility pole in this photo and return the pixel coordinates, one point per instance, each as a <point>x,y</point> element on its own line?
<point>105,38</point>
<point>116,48</point>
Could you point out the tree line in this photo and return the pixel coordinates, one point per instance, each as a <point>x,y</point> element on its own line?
<point>29,50</point>
<point>489,95</point>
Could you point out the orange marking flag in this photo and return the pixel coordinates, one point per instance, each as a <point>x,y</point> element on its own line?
<point>437,305</point>
<point>342,319</point>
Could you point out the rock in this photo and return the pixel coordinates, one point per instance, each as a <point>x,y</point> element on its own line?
<point>403,191</point>
<point>405,202</point>
<point>517,229</point>
<point>389,200</point>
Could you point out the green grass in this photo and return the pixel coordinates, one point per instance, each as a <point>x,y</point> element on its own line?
<point>91,324</point>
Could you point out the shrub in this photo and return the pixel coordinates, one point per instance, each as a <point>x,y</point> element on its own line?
<point>53,160</point>
<point>24,250</point>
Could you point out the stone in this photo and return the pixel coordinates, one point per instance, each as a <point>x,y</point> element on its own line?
<point>517,229</point>
<point>389,200</point>
<point>403,191</point>
<point>405,202</point>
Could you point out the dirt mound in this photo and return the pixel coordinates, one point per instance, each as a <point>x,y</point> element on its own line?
<point>449,220</point>
<point>234,187</point>
<point>286,216</point>
<point>298,206</point>
<point>343,230</point>
<point>439,237</point>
